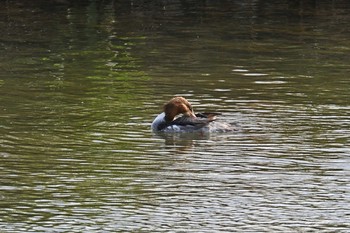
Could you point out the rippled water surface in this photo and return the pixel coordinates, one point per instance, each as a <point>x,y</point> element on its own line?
<point>80,84</point>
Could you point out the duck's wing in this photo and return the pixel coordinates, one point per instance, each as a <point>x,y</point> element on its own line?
<point>198,122</point>
<point>187,122</point>
<point>209,115</point>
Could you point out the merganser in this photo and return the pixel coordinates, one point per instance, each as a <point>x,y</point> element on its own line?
<point>178,116</point>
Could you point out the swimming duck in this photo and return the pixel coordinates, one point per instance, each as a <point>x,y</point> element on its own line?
<point>178,116</point>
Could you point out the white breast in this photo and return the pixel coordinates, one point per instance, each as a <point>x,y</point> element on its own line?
<point>157,121</point>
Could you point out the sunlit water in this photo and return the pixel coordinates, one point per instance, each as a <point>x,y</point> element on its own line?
<point>80,85</point>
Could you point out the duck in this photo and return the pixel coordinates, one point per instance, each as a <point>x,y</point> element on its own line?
<point>178,116</point>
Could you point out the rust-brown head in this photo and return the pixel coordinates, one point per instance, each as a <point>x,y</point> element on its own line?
<point>178,105</point>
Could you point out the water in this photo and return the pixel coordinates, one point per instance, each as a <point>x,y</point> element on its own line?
<point>80,84</point>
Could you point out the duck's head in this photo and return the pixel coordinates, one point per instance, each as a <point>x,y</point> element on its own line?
<point>178,105</point>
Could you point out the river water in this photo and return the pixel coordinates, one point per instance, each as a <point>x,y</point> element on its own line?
<point>81,83</point>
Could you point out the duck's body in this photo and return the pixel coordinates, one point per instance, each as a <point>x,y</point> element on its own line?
<point>171,119</point>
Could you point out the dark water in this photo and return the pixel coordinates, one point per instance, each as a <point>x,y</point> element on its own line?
<point>80,84</point>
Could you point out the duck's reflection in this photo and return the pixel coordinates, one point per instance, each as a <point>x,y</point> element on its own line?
<point>182,141</point>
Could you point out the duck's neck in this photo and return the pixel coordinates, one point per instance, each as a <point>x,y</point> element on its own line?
<point>168,118</point>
